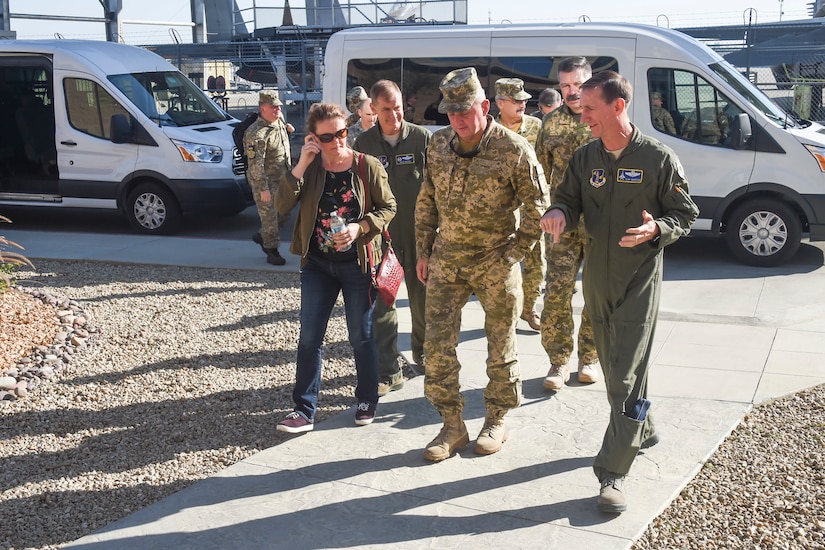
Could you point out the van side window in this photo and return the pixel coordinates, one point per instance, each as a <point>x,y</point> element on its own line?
<point>699,111</point>
<point>90,107</point>
<point>419,78</point>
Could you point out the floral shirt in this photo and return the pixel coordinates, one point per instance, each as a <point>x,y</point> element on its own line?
<point>339,197</point>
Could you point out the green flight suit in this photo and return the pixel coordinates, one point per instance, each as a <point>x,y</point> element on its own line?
<point>622,285</point>
<point>404,164</point>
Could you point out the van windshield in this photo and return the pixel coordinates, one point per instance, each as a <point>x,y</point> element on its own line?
<point>168,98</point>
<point>754,95</point>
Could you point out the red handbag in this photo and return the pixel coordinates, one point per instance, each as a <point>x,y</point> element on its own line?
<point>387,277</point>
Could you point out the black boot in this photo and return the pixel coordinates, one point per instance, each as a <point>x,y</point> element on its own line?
<point>273,257</point>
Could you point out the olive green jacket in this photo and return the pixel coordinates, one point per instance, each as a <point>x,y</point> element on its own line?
<point>308,189</point>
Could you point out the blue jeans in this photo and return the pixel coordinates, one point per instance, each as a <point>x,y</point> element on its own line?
<point>321,280</point>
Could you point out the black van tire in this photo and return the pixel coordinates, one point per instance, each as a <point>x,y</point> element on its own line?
<point>153,210</point>
<point>763,232</point>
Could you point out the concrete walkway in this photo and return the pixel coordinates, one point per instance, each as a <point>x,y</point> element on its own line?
<point>729,336</point>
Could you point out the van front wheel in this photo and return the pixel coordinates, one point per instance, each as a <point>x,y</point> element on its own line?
<point>763,232</point>
<point>152,209</point>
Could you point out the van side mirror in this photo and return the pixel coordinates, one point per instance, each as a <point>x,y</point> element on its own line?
<point>120,130</point>
<point>741,131</point>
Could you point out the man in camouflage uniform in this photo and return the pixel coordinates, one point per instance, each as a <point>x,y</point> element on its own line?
<point>366,120</point>
<point>355,97</point>
<point>662,120</point>
<point>561,133</point>
<point>469,240</point>
<point>401,147</point>
<point>511,100</point>
<point>267,149</point>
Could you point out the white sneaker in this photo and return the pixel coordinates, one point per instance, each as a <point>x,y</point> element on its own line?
<point>589,374</point>
<point>557,377</point>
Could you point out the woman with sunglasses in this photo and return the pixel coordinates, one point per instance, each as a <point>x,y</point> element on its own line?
<point>328,179</point>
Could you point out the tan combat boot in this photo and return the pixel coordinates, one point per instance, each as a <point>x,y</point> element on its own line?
<point>557,377</point>
<point>492,436</point>
<point>453,436</point>
<point>611,496</point>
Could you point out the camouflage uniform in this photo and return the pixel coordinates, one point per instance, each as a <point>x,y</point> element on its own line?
<point>269,156</point>
<point>466,224</point>
<point>662,120</point>
<point>354,99</point>
<point>561,134</point>
<point>713,126</point>
<point>534,270</point>
<point>353,132</point>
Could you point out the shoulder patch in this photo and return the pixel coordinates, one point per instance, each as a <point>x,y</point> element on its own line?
<point>630,175</point>
<point>597,178</point>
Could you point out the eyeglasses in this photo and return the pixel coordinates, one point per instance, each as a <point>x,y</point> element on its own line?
<point>326,138</point>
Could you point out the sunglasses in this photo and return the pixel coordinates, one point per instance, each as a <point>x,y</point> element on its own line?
<point>326,138</point>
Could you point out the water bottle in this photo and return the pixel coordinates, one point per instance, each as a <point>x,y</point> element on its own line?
<point>337,224</point>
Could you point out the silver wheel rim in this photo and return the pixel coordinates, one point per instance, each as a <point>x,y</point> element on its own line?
<point>763,233</point>
<point>150,210</point>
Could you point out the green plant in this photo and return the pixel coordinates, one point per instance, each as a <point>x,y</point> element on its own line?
<point>9,260</point>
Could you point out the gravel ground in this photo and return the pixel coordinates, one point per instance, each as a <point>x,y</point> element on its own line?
<point>187,371</point>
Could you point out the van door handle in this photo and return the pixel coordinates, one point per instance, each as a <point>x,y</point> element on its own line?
<point>69,142</point>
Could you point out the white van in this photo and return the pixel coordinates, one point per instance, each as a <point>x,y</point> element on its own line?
<point>755,172</point>
<point>101,125</point>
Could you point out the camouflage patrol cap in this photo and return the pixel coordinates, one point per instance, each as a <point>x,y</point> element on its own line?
<point>511,87</point>
<point>269,97</point>
<point>460,89</point>
<point>355,97</point>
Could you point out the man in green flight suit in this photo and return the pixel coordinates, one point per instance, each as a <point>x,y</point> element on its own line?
<point>620,179</point>
<point>401,147</point>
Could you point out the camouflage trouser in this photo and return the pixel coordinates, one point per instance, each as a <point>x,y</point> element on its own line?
<point>385,320</point>
<point>452,280</point>
<point>271,221</point>
<point>533,275</point>
<point>563,261</point>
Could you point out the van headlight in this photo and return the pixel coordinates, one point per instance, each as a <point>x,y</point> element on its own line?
<point>818,153</point>
<point>198,152</point>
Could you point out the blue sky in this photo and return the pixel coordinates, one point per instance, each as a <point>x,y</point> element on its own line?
<point>673,14</point>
